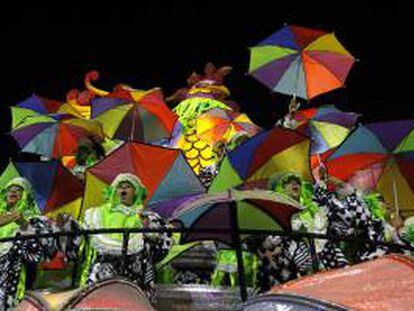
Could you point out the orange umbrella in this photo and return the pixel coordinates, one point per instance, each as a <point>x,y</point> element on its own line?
<point>221,125</point>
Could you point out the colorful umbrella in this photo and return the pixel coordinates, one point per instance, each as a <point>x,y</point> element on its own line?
<point>221,125</point>
<point>230,210</point>
<point>39,105</point>
<point>147,119</point>
<point>268,153</point>
<point>327,128</point>
<point>55,189</point>
<point>54,135</point>
<point>300,61</point>
<point>164,172</point>
<point>234,210</point>
<point>256,209</point>
<point>382,155</point>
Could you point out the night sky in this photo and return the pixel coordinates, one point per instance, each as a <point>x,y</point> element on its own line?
<point>48,50</point>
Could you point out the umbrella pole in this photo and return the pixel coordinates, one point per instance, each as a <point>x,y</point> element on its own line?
<point>372,178</point>
<point>394,190</point>
<point>131,137</point>
<point>319,159</point>
<point>239,252</point>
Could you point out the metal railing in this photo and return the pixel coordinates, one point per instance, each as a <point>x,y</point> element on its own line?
<point>237,245</point>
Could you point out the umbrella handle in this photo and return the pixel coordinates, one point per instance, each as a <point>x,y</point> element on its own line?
<point>394,190</point>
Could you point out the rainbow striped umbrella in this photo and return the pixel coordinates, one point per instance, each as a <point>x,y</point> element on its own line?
<point>164,172</point>
<point>327,126</point>
<point>54,135</point>
<point>144,119</point>
<point>379,156</point>
<point>300,61</point>
<point>35,105</point>
<point>259,158</point>
<point>55,189</point>
<point>254,209</point>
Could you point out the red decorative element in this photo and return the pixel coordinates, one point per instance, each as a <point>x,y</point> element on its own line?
<point>121,92</point>
<point>91,76</point>
<point>58,262</point>
<point>72,95</point>
<point>212,74</point>
<point>83,98</point>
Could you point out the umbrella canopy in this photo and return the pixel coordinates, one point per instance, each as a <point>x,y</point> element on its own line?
<point>254,209</point>
<point>54,135</point>
<point>300,61</point>
<point>36,104</point>
<point>385,283</point>
<point>55,189</point>
<point>221,125</point>
<point>268,153</point>
<point>327,126</point>
<point>381,156</point>
<point>164,172</point>
<point>146,119</point>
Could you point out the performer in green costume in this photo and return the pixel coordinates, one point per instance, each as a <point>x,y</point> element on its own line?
<point>124,208</point>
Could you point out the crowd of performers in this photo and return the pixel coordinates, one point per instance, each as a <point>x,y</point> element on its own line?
<point>328,207</point>
<point>340,212</point>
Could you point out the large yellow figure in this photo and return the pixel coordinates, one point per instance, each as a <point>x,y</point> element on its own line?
<point>204,92</point>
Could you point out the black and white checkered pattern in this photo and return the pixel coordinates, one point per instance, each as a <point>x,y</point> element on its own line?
<point>349,216</point>
<point>282,259</point>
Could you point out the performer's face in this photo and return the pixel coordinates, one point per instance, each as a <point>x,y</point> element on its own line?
<point>14,195</point>
<point>293,189</point>
<point>126,193</point>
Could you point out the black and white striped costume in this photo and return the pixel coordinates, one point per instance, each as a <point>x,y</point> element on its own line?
<point>282,259</point>
<point>348,217</point>
<point>22,253</point>
<point>136,266</point>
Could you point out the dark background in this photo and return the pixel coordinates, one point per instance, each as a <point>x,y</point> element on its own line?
<point>47,50</point>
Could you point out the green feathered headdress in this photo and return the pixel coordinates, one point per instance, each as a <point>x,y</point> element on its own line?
<point>373,202</point>
<point>189,109</point>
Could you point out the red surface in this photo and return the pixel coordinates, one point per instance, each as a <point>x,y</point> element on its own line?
<point>386,283</point>
<point>114,296</point>
<point>345,166</point>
